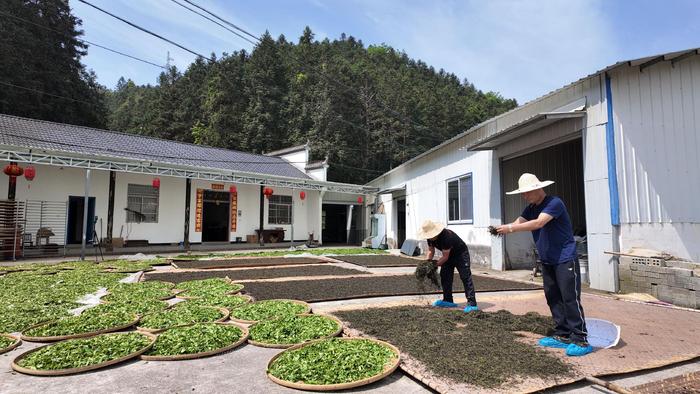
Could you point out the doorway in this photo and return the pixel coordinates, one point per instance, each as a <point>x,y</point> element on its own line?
<point>215,216</point>
<point>76,211</point>
<point>334,223</point>
<point>400,222</point>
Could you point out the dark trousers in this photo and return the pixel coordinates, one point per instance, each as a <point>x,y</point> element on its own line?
<point>562,288</point>
<point>461,262</point>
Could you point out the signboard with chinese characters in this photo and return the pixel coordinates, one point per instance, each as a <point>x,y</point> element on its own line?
<point>217,186</point>
<point>234,211</point>
<point>198,210</point>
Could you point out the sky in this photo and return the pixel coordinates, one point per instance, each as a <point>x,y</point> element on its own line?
<point>519,49</point>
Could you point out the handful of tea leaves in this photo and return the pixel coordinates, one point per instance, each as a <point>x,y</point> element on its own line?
<point>428,269</point>
<point>493,231</point>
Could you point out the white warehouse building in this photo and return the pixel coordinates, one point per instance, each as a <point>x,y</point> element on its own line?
<point>621,144</point>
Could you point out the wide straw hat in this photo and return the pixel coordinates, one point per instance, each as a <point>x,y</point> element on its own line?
<point>430,229</point>
<point>528,183</point>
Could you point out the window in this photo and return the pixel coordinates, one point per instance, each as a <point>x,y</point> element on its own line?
<point>460,200</point>
<point>142,204</point>
<point>280,210</point>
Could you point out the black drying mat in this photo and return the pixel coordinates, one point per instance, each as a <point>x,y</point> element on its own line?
<point>246,262</point>
<point>375,286</point>
<point>378,261</point>
<point>248,274</point>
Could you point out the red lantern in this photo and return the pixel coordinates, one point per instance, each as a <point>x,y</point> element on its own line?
<point>267,192</point>
<point>30,173</point>
<point>13,170</point>
<point>232,189</point>
<point>359,200</point>
<point>302,195</point>
<point>156,183</point>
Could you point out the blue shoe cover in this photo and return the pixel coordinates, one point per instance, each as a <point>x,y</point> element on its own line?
<point>471,308</point>
<point>552,342</point>
<point>578,350</point>
<point>444,304</point>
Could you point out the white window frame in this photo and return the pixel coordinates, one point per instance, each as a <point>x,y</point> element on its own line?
<point>276,209</point>
<point>459,199</point>
<point>130,216</point>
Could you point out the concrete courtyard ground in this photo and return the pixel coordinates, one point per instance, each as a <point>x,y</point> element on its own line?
<point>243,369</point>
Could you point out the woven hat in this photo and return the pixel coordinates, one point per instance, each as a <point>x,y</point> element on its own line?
<point>528,183</point>
<point>430,229</point>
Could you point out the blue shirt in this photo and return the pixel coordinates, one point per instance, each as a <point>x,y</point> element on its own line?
<point>555,241</point>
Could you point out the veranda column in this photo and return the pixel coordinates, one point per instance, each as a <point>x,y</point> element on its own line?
<point>110,211</point>
<point>188,191</point>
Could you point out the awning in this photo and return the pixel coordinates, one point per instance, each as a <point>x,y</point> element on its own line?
<point>520,129</point>
<point>400,188</point>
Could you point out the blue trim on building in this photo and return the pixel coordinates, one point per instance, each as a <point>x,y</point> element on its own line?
<point>612,165</point>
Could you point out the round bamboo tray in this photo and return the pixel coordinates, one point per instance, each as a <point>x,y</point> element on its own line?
<point>118,271</point>
<point>11,347</point>
<point>389,368</point>
<point>74,336</point>
<point>248,297</point>
<point>103,302</point>
<point>159,330</point>
<point>288,345</point>
<point>202,354</point>
<point>173,294</point>
<point>306,310</point>
<point>226,293</point>
<point>70,371</point>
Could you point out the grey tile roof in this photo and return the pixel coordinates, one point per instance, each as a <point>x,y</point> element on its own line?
<point>39,134</point>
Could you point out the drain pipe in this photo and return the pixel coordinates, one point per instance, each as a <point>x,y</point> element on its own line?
<point>612,181</point>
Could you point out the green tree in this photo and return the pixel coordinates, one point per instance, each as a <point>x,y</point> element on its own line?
<point>266,88</point>
<point>41,58</point>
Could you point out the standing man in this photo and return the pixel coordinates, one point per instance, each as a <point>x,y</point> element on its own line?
<point>455,254</point>
<point>547,218</point>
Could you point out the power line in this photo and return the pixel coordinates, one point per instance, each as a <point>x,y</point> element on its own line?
<point>48,94</point>
<point>145,30</point>
<point>222,19</point>
<point>209,19</point>
<point>82,40</point>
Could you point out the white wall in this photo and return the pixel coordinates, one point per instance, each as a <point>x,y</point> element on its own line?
<point>426,194</point>
<point>319,174</point>
<point>657,142</point>
<point>171,209</point>
<point>298,159</point>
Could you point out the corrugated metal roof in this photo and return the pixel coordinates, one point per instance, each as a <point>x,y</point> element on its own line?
<point>517,130</point>
<point>44,135</point>
<point>641,62</point>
